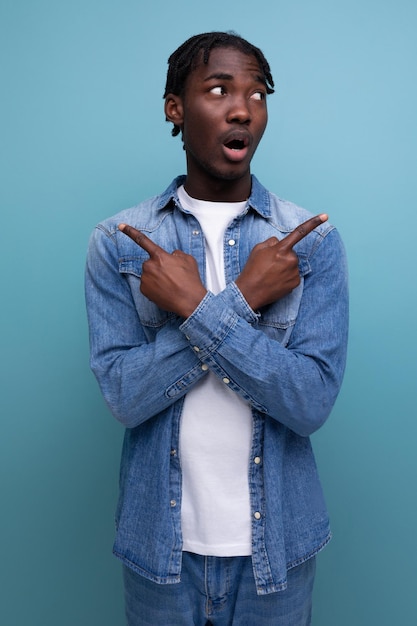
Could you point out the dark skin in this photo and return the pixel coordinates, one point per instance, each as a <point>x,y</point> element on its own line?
<point>172,281</point>
<point>224,103</point>
<point>224,99</point>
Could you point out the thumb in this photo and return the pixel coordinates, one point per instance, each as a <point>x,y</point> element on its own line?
<point>268,243</point>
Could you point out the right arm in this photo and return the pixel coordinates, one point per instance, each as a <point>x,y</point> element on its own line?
<point>138,378</point>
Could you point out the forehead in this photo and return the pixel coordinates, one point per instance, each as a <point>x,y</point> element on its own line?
<point>228,63</point>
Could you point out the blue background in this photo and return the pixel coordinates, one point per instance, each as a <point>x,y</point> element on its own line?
<point>83,135</point>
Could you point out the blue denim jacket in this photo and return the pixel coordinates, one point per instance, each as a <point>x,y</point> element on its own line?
<point>287,361</point>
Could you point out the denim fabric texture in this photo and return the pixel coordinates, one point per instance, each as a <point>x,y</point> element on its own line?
<point>219,591</point>
<point>287,361</point>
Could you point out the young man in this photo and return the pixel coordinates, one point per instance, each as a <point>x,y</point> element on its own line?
<point>218,325</point>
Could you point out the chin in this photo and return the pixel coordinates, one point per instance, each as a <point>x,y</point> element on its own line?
<point>232,173</point>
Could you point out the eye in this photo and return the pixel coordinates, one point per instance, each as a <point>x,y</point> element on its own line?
<point>218,90</point>
<point>258,95</point>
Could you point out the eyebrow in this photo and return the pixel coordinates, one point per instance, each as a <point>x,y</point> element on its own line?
<point>224,76</point>
<point>219,76</point>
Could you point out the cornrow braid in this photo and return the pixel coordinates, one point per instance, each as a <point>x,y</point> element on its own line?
<point>185,59</point>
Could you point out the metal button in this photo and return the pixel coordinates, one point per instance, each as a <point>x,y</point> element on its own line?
<point>257,515</point>
<point>226,381</point>
<point>204,367</point>
<point>257,460</point>
<point>196,349</point>
<point>173,503</point>
<point>231,242</point>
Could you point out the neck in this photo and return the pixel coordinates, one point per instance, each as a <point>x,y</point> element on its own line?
<point>219,190</point>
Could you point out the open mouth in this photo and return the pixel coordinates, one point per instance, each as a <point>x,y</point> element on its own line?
<point>236,144</point>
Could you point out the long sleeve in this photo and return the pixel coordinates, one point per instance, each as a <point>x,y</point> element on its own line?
<point>138,377</point>
<point>296,384</point>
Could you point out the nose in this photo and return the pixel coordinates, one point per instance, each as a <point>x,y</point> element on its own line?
<point>239,111</point>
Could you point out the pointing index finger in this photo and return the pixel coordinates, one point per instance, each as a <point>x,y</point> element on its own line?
<point>303,230</point>
<point>140,239</point>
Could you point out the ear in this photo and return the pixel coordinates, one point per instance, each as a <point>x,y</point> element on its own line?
<point>174,109</point>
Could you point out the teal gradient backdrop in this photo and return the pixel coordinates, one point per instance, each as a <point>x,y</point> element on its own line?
<point>83,135</point>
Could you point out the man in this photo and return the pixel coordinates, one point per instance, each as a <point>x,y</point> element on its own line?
<point>218,326</point>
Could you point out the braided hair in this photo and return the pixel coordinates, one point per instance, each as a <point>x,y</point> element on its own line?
<point>186,58</point>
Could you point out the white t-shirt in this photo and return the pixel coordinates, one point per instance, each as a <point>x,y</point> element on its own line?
<point>216,428</point>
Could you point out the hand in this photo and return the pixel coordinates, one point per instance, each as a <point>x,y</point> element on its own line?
<point>171,281</point>
<point>271,271</point>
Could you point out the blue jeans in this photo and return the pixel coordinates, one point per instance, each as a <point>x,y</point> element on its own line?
<point>219,591</point>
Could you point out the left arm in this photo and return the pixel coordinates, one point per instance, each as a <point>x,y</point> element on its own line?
<point>297,384</point>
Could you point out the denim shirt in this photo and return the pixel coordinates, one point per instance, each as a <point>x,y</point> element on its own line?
<point>286,360</point>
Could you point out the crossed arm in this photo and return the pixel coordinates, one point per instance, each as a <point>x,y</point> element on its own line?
<point>172,281</point>
<point>295,385</point>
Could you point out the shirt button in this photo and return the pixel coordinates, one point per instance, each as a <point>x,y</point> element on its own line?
<point>204,367</point>
<point>196,349</point>
<point>257,460</point>
<point>231,242</point>
<point>173,503</point>
<point>226,381</point>
<point>257,515</point>
<point>173,452</point>
<point>196,232</point>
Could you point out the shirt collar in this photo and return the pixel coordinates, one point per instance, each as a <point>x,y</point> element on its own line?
<point>258,199</point>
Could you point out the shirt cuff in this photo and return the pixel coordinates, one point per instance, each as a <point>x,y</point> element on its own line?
<point>214,317</point>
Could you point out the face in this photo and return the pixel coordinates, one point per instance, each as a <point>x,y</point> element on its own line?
<point>222,115</point>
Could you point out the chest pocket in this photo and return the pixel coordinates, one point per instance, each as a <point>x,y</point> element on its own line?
<point>278,319</point>
<point>149,314</point>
